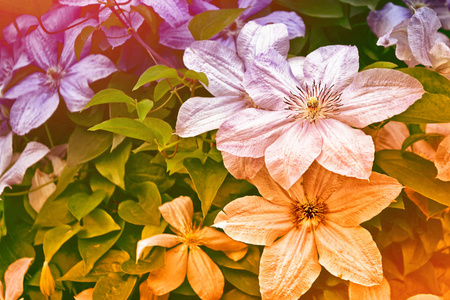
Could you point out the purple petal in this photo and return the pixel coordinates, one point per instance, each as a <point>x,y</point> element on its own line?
<point>345,151</point>
<point>198,115</point>
<point>226,40</point>
<point>222,66</point>
<point>296,64</point>
<point>32,153</point>
<point>78,2</point>
<point>74,86</point>
<point>199,6</point>
<point>293,22</point>
<point>269,81</point>
<point>6,149</point>
<point>443,13</point>
<point>58,19</point>
<point>33,109</point>
<point>255,39</point>
<point>250,132</point>
<point>175,37</point>
<point>332,66</point>
<point>384,20</point>
<point>376,95</point>
<point>399,37</point>
<point>117,36</point>
<point>42,48</point>
<point>293,152</point>
<point>29,84</point>
<point>253,6</point>
<point>24,22</point>
<point>174,12</point>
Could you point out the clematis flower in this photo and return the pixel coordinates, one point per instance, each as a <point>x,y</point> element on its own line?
<point>32,153</point>
<point>37,94</point>
<point>310,116</point>
<point>315,222</point>
<point>186,257</point>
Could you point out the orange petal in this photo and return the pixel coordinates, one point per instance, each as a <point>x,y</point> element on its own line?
<point>254,220</point>
<point>289,267</point>
<point>204,275</point>
<point>219,241</point>
<point>319,182</point>
<point>391,136</point>
<point>14,277</point>
<point>269,189</point>
<point>376,292</point>
<point>172,275</point>
<point>442,160</point>
<point>349,253</point>
<point>38,197</point>
<point>242,167</point>
<point>359,200</point>
<point>163,240</point>
<point>178,212</point>
<point>85,295</point>
<point>425,297</point>
<point>145,293</point>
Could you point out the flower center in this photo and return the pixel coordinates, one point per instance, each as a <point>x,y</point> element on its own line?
<point>233,29</point>
<point>313,102</point>
<point>54,76</point>
<point>310,213</point>
<point>416,4</point>
<point>191,237</point>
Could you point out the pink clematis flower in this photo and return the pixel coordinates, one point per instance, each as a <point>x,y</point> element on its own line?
<point>320,214</point>
<point>307,113</point>
<point>186,256</point>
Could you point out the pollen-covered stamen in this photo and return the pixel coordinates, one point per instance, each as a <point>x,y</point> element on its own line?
<point>313,102</point>
<point>233,29</point>
<point>191,237</point>
<point>310,212</point>
<point>54,76</point>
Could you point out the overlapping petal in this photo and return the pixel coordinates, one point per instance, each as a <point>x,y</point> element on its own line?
<point>219,241</point>
<point>294,24</point>
<point>242,167</point>
<point>6,150</point>
<point>174,12</point>
<point>270,189</point>
<point>252,6</point>
<point>178,212</point>
<point>384,20</point>
<point>175,37</point>
<point>320,183</point>
<point>163,240</point>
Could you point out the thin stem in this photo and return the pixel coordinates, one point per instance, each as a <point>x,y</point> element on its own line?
<point>49,135</point>
<point>161,106</point>
<point>27,192</point>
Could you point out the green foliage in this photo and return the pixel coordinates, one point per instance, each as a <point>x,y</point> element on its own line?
<point>315,8</point>
<point>144,212</point>
<point>155,73</point>
<point>205,25</point>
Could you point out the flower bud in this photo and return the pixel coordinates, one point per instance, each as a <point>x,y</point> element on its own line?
<point>47,283</point>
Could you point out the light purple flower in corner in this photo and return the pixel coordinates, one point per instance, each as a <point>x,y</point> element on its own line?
<point>37,94</point>
<point>32,153</point>
<point>310,116</point>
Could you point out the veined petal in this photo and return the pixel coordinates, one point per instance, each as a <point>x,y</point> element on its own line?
<point>376,95</point>
<point>293,152</point>
<point>204,275</point>
<point>174,12</point>
<point>242,167</point>
<point>270,189</point>
<point>172,275</point>
<point>199,6</point>
<point>332,66</point>
<point>23,22</point>
<point>40,181</point>
<point>289,267</point>
<point>251,131</point>
<point>117,35</point>
<point>269,80</point>
<point>219,241</point>
<point>198,114</point>
<point>296,64</point>
<point>254,220</point>
<point>175,37</point>
<point>442,10</point>
<point>253,6</point>
<point>74,86</point>
<point>384,20</point>
<point>345,150</point>
<point>31,84</point>
<point>399,37</point>
<point>78,2</point>
<point>357,201</point>
<point>225,70</point>
<point>376,292</point>
<point>14,276</point>
<point>440,58</point>
<point>6,150</point>
<point>293,22</point>
<point>255,39</point>
<point>349,253</point>
<point>163,240</point>
<point>442,160</point>
<point>178,212</point>
<point>32,153</point>
<point>318,182</point>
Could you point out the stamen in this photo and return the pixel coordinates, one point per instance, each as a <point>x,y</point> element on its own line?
<point>310,212</point>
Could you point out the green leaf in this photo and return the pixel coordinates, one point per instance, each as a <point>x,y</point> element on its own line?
<point>85,146</point>
<point>88,117</point>
<point>26,7</point>
<point>82,204</point>
<point>200,76</point>
<point>81,39</point>
<point>155,73</point>
<point>66,178</point>
<point>372,4</point>
<point>112,165</point>
<point>143,107</point>
<point>380,64</point>
<point>12,249</point>
<point>315,8</point>
<point>110,96</point>
<point>144,212</point>
<point>243,280</point>
<point>163,87</point>
<point>410,140</point>
<point>110,263</point>
<point>162,130</point>
<point>152,262</point>
<point>114,287</point>
<point>97,223</point>
<point>100,183</point>
<point>415,172</point>
<point>431,108</point>
<point>175,163</point>
<point>205,25</point>
<point>56,237</point>
<point>78,273</point>
<point>207,178</point>
<point>432,82</point>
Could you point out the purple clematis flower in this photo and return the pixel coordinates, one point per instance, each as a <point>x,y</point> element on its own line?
<point>32,153</point>
<point>310,116</point>
<point>174,32</point>
<point>37,94</point>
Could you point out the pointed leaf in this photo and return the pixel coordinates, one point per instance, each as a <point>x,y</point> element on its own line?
<point>110,96</point>
<point>209,23</point>
<point>81,204</point>
<point>243,280</point>
<point>143,107</point>
<point>155,73</point>
<point>97,223</point>
<point>114,287</point>
<point>56,237</point>
<point>144,212</point>
<point>418,137</point>
<point>112,165</point>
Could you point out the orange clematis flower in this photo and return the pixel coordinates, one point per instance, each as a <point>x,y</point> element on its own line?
<point>316,222</point>
<point>187,257</point>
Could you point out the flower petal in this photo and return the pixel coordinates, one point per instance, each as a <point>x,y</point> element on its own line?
<point>253,6</point>
<point>376,95</point>
<point>163,240</point>
<point>384,20</point>
<point>440,58</point>
<point>287,158</point>
<point>204,275</point>
<point>332,66</point>
<point>178,212</point>
<point>14,276</point>
<point>172,275</point>
<point>442,160</point>
<point>270,189</point>
<point>399,37</point>
<point>376,292</point>
<point>41,189</point>
<point>349,253</point>
<point>242,167</point>
<point>30,84</point>
<point>174,12</point>
<point>175,37</point>
<point>296,64</point>
<point>225,70</point>
<point>6,150</point>
<point>254,220</point>
<point>289,267</point>
<point>269,80</point>
<point>293,22</point>
<point>219,241</point>
<point>345,150</point>
<point>357,200</point>
<point>318,182</point>
<point>23,23</point>
<point>198,114</point>
<point>255,39</point>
